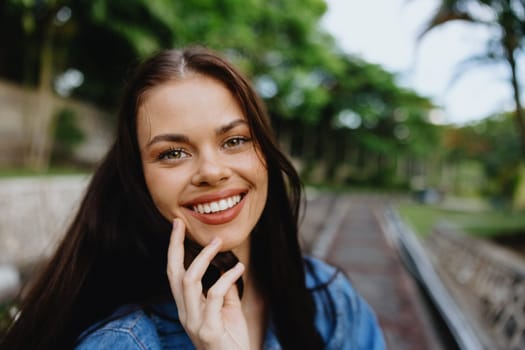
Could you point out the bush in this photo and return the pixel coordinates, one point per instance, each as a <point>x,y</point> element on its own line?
<point>67,135</point>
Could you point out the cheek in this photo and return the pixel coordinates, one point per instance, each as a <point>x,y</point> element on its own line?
<point>262,177</point>
<point>259,174</point>
<point>163,187</point>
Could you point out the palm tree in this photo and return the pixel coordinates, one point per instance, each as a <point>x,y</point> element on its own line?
<point>508,18</point>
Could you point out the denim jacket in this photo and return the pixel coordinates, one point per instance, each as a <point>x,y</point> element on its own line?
<point>353,328</point>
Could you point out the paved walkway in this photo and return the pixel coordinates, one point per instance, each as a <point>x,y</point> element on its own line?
<point>357,244</point>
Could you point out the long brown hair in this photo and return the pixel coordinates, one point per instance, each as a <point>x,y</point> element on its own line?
<point>115,251</point>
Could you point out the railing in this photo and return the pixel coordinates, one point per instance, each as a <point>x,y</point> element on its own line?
<point>415,255</point>
<point>488,279</point>
<point>478,287</point>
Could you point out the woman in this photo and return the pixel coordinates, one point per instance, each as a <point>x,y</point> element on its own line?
<point>195,156</point>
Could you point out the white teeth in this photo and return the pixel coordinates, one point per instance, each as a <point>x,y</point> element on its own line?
<point>220,205</point>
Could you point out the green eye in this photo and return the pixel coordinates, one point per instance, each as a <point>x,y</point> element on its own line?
<point>172,154</point>
<point>236,142</point>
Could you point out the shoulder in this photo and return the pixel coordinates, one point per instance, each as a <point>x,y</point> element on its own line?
<point>318,272</point>
<point>329,285</point>
<point>132,330</point>
<point>344,318</point>
<point>323,278</point>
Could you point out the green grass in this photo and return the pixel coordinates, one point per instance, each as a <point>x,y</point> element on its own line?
<point>481,223</point>
<point>24,172</point>
<point>343,188</point>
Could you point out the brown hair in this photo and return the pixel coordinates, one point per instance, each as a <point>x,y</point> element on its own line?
<point>115,251</point>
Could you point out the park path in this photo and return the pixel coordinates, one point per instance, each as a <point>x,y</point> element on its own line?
<point>351,236</point>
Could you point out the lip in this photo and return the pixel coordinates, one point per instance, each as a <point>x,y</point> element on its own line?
<point>213,197</point>
<point>221,217</point>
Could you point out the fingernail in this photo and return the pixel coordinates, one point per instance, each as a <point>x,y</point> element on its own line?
<point>175,223</point>
<point>239,266</point>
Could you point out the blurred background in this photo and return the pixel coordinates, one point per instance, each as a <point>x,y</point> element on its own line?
<point>410,109</point>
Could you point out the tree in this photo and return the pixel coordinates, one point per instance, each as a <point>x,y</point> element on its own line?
<point>491,143</point>
<point>42,24</point>
<point>508,18</point>
<point>305,79</point>
<point>103,38</point>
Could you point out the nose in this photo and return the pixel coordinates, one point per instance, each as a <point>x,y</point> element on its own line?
<point>211,170</point>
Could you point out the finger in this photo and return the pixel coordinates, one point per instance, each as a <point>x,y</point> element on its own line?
<point>191,282</point>
<point>176,249</point>
<point>232,295</point>
<point>200,264</point>
<point>223,293</point>
<point>176,263</point>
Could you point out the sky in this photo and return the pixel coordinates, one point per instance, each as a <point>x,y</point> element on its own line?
<point>386,31</point>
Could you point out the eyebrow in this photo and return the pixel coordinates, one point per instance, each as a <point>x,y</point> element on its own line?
<point>184,139</point>
<point>169,138</point>
<point>224,129</point>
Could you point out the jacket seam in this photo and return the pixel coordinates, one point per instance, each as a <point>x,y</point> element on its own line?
<point>126,331</point>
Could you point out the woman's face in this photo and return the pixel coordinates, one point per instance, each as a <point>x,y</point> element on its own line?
<point>200,162</point>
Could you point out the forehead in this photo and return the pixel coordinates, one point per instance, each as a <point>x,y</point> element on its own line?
<point>193,85</point>
<point>187,104</point>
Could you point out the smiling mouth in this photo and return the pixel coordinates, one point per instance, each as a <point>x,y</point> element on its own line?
<point>218,206</point>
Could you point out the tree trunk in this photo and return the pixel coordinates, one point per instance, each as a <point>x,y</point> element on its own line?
<point>41,131</point>
<point>519,118</point>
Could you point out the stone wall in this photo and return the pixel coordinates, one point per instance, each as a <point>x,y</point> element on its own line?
<point>20,105</point>
<point>34,213</point>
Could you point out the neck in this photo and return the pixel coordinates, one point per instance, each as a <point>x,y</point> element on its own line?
<point>253,308</point>
<point>252,302</point>
<point>242,252</point>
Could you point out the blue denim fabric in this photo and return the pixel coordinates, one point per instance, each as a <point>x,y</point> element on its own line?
<point>354,327</point>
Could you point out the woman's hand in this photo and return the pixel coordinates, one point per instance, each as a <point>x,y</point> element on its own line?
<point>215,321</point>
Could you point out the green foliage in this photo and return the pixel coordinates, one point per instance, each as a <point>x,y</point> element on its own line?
<point>305,79</point>
<point>506,20</point>
<point>392,118</point>
<point>479,223</point>
<point>518,202</point>
<point>67,134</point>
<point>493,143</point>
